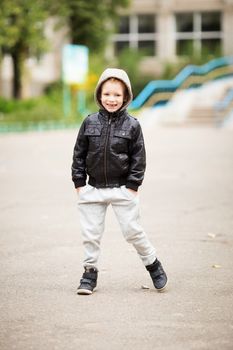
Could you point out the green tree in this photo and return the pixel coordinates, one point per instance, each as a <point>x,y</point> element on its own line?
<point>91,21</point>
<point>22,27</point>
<point>22,33</point>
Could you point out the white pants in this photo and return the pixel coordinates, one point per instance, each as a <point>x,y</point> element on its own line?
<point>93,204</point>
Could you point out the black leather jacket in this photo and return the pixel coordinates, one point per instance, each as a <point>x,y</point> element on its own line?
<point>110,150</point>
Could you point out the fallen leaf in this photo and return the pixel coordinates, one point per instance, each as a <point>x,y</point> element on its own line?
<point>216,266</point>
<point>211,235</point>
<point>145,287</point>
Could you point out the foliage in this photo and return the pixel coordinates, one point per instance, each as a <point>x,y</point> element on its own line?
<point>90,21</point>
<point>129,60</point>
<point>22,33</point>
<point>41,113</point>
<point>9,106</point>
<point>22,25</point>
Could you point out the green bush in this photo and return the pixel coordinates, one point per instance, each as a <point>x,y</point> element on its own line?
<point>39,113</point>
<point>129,60</point>
<point>10,106</point>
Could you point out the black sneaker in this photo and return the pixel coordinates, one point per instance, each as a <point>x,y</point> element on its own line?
<point>88,281</point>
<point>157,275</point>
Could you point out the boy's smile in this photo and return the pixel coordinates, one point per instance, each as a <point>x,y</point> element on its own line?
<point>112,95</point>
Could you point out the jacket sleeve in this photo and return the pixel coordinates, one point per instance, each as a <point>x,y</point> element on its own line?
<point>79,158</point>
<point>137,160</point>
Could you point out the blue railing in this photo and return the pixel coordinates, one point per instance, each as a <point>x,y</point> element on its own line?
<point>228,120</point>
<point>223,106</point>
<point>225,103</point>
<point>194,73</point>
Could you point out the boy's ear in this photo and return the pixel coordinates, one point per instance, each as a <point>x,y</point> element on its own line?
<point>126,97</point>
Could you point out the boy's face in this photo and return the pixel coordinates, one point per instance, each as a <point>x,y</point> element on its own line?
<point>112,95</point>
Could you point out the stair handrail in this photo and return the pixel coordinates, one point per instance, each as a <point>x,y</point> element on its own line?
<point>173,84</point>
<point>225,103</point>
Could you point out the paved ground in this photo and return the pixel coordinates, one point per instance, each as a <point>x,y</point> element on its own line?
<point>187,210</point>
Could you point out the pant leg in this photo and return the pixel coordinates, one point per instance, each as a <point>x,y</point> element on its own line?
<point>92,213</point>
<point>126,208</point>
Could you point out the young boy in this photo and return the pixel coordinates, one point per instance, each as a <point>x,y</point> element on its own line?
<point>110,150</point>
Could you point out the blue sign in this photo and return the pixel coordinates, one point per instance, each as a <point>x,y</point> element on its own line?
<point>74,64</point>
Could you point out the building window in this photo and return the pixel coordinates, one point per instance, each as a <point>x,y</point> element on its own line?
<point>211,46</point>
<point>147,46</point>
<point>146,24</point>
<point>184,47</point>
<point>124,25</point>
<point>198,33</point>
<point>136,32</point>
<point>121,45</point>
<point>211,22</point>
<point>184,23</point>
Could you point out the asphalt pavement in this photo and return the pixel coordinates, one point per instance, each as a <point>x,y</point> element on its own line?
<point>186,210</point>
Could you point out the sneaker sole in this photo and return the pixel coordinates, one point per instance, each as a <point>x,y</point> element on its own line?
<point>84,292</point>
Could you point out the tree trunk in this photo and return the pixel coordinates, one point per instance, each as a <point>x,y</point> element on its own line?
<point>17,74</point>
<point>73,30</point>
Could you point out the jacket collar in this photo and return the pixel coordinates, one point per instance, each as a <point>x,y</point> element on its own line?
<point>115,115</point>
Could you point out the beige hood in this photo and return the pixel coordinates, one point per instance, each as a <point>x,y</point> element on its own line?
<point>118,74</point>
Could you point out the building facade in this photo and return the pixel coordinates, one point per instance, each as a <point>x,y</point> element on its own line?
<point>167,29</point>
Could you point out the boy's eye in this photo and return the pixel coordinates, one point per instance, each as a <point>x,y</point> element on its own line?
<point>108,94</point>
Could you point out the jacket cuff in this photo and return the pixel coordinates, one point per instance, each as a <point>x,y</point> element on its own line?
<point>79,183</point>
<point>132,186</point>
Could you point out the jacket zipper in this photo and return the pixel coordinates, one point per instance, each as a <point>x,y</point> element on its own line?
<point>105,150</point>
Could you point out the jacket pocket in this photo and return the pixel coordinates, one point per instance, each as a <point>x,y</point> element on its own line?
<point>121,140</point>
<point>125,134</point>
<point>94,134</point>
<point>92,131</point>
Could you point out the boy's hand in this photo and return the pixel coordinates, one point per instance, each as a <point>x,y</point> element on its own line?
<point>134,192</point>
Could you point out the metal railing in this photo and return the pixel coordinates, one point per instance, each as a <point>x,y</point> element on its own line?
<point>224,109</point>
<point>190,76</point>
